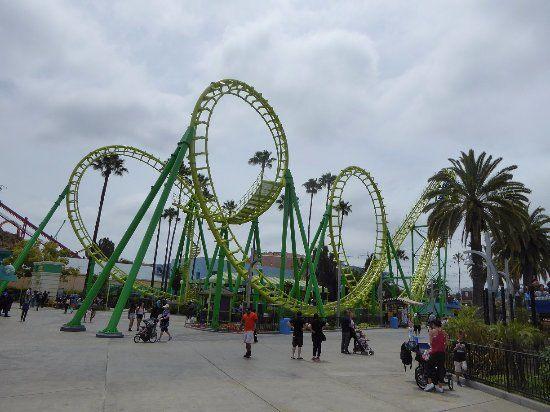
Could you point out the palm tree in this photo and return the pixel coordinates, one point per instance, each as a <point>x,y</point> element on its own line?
<point>185,173</point>
<point>312,187</point>
<point>343,209</point>
<point>281,202</point>
<point>170,214</point>
<point>204,182</point>
<point>263,159</point>
<point>474,193</point>
<point>326,180</point>
<point>230,206</point>
<point>401,254</point>
<point>108,165</point>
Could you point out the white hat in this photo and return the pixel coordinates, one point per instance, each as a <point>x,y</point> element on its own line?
<point>167,306</point>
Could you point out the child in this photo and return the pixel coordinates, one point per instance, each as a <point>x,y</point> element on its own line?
<point>459,358</point>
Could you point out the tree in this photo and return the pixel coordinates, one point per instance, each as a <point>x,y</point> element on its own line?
<point>401,255</point>
<point>107,246</point>
<point>312,188</point>
<point>230,206</point>
<point>204,183</point>
<point>281,202</point>
<point>263,159</point>
<point>326,272</point>
<point>343,209</point>
<point>473,192</point>
<point>170,214</point>
<point>326,180</point>
<point>108,165</point>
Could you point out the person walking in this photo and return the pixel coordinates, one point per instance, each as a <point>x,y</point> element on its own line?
<point>249,320</point>
<point>297,324</point>
<point>346,333</point>
<point>25,308</point>
<point>131,315</point>
<point>140,312</point>
<point>417,325</point>
<point>165,322</point>
<point>436,362</point>
<point>37,298</point>
<point>5,305</point>
<point>317,336</point>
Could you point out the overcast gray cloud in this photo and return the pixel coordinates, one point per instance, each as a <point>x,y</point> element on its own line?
<point>394,87</point>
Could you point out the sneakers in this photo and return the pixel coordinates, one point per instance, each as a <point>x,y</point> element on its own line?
<point>292,357</point>
<point>429,387</point>
<point>299,358</point>
<point>439,389</point>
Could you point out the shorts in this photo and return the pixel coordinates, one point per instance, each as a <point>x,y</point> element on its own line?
<point>417,328</point>
<point>131,315</point>
<point>139,316</point>
<point>164,328</point>
<point>248,336</point>
<point>460,367</point>
<point>298,340</point>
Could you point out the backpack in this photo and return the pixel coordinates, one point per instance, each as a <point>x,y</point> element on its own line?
<point>406,356</point>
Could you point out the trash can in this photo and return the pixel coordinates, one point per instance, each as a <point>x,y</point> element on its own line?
<point>394,322</point>
<point>284,327</point>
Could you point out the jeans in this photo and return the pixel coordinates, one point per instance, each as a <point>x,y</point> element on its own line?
<point>346,336</point>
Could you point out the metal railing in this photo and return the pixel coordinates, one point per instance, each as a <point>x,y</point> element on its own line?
<point>527,374</point>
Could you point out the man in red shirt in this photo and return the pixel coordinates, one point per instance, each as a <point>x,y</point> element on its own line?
<point>249,320</point>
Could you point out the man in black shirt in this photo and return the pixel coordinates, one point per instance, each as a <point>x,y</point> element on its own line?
<point>297,324</point>
<point>346,332</point>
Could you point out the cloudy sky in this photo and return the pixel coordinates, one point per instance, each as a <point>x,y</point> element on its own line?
<point>393,87</point>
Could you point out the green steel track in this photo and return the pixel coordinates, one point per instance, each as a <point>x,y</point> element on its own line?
<point>257,200</point>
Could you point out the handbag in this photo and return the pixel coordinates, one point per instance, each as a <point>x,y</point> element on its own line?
<point>323,337</point>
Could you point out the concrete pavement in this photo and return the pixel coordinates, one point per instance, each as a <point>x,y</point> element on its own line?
<point>42,369</point>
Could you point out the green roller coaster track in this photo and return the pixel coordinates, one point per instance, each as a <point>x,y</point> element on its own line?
<point>261,196</point>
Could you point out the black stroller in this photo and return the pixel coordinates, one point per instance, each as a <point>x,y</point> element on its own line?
<point>147,332</point>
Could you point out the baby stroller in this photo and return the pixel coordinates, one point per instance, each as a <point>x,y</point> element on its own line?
<point>147,332</point>
<point>361,344</point>
<point>421,371</point>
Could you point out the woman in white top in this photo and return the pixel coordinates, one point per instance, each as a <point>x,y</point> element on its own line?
<point>140,312</point>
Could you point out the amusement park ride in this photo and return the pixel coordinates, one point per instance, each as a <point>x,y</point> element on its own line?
<point>201,205</point>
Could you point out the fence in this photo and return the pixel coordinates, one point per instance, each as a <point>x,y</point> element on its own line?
<point>524,373</point>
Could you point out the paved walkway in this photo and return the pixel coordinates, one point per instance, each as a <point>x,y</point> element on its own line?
<point>42,369</point>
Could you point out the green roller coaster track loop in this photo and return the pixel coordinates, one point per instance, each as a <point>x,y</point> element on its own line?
<point>258,199</point>
<point>75,218</point>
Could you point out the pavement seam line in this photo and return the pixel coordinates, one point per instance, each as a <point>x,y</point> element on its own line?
<point>105,382</point>
<point>238,382</point>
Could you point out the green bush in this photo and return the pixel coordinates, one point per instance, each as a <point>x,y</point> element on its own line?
<point>516,335</point>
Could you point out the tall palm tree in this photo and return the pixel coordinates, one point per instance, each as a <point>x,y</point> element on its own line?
<point>108,165</point>
<point>230,206</point>
<point>344,209</point>
<point>326,180</point>
<point>263,159</point>
<point>170,214</point>
<point>473,192</point>
<point>312,188</point>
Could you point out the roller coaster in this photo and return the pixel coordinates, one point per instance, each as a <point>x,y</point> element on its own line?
<point>199,202</point>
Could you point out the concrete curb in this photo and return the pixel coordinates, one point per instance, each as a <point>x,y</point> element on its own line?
<point>512,397</point>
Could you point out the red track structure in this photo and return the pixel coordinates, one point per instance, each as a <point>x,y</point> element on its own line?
<point>22,224</point>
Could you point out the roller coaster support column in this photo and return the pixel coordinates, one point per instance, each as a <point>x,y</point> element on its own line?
<point>74,325</point>
<point>219,285</point>
<point>111,329</point>
<point>238,281</point>
<point>30,243</point>
<point>391,249</point>
<point>184,288</point>
<point>179,251</point>
<point>286,209</point>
